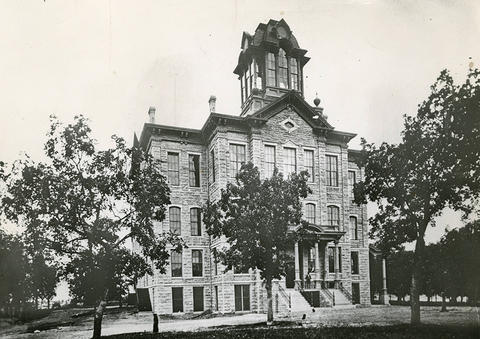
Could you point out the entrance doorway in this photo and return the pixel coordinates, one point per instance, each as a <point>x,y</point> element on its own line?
<point>290,278</point>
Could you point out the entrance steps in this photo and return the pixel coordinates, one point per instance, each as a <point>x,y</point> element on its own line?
<point>340,298</point>
<point>298,302</point>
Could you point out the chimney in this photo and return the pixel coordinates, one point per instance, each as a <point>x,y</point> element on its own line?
<point>211,103</point>
<point>151,115</point>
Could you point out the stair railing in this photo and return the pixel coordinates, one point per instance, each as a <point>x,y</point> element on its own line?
<point>345,292</point>
<point>286,296</point>
<point>329,295</point>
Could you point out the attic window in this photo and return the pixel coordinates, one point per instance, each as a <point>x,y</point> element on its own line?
<point>288,125</point>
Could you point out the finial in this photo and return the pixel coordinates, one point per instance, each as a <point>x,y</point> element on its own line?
<point>316,101</point>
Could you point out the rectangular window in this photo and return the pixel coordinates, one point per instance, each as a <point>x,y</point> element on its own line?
<point>212,162</point>
<point>354,262</point>
<point>331,260</point>
<point>174,218</point>
<point>271,78</point>
<point>332,170</point>
<point>294,74</point>
<point>309,164</point>
<point>282,69</point>
<point>290,160</point>
<point>173,168</point>
<point>354,228</point>
<point>177,299</point>
<point>195,221</point>
<point>310,213</point>
<point>176,263</point>
<point>351,182</point>
<point>237,158</point>
<point>198,299</point>
<point>333,216</point>
<point>269,160</point>
<point>216,298</point>
<point>197,263</point>
<point>194,170</point>
<point>258,76</point>
<point>242,297</point>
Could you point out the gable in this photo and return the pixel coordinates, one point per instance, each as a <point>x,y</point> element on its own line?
<point>293,102</point>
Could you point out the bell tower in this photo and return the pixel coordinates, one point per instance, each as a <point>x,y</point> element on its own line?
<point>269,65</point>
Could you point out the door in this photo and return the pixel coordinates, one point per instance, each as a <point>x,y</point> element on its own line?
<point>290,278</point>
<point>355,293</point>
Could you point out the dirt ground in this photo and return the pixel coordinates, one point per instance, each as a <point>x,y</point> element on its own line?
<point>127,321</point>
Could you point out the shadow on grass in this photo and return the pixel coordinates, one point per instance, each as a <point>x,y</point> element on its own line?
<point>292,330</point>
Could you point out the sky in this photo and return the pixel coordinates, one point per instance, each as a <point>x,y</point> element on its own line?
<point>371,62</point>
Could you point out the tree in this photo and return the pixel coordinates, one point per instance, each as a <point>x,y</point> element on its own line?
<point>254,216</point>
<point>87,202</point>
<point>399,273</point>
<point>14,289</point>
<point>436,165</point>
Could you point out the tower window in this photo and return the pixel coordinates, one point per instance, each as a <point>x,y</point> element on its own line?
<point>271,79</point>
<point>258,76</point>
<point>294,74</point>
<point>282,69</point>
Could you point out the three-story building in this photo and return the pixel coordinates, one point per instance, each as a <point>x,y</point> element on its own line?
<point>276,128</point>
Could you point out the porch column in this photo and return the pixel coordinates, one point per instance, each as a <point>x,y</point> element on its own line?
<point>297,267</point>
<point>383,294</point>
<point>335,261</point>
<point>318,275</point>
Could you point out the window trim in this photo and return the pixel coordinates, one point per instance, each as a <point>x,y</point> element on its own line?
<point>356,237</point>
<point>327,171</point>
<point>203,298</point>
<point>284,158</point>
<point>265,145</point>
<point>357,266</point>
<point>171,264</point>
<point>183,299</point>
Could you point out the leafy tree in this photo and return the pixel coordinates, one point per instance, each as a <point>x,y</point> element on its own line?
<point>436,165</point>
<point>462,256</point>
<point>399,271</point>
<point>14,290</point>
<point>254,216</point>
<point>87,202</point>
<point>433,267</point>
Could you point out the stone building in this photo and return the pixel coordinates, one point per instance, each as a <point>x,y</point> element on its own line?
<point>275,128</point>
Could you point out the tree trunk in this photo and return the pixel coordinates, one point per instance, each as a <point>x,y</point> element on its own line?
<point>444,303</point>
<point>268,286</point>
<point>416,281</point>
<point>97,320</point>
<point>155,323</point>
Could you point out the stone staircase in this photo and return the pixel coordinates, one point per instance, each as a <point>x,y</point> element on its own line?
<point>299,304</point>
<point>340,298</point>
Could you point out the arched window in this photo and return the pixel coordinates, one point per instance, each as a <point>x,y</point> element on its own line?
<point>174,218</point>
<point>333,215</point>
<point>294,74</point>
<point>354,228</point>
<point>310,213</point>
<point>282,69</point>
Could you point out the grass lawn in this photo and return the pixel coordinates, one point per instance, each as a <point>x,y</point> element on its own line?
<point>371,322</point>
